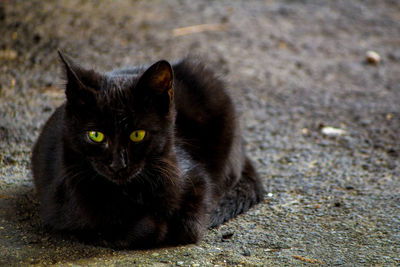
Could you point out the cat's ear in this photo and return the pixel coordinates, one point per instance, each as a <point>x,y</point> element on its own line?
<point>157,80</point>
<point>158,77</point>
<point>81,83</point>
<point>155,87</point>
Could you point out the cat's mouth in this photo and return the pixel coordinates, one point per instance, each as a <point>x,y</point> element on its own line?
<point>124,177</point>
<point>121,177</point>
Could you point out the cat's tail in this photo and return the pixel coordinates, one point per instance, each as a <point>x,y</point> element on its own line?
<point>246,193</point>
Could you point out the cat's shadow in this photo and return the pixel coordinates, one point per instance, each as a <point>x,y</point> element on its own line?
<point>27,241</point>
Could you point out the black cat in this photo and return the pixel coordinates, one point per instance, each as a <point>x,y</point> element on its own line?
<point>143,157</point>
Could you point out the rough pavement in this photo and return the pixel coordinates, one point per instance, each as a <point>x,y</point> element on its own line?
<point>295,69</point>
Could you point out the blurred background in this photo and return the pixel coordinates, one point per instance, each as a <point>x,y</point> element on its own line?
<point>317,88</point>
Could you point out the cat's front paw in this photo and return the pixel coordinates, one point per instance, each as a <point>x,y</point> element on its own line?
<point>187,232</point>
<point>189,237</point>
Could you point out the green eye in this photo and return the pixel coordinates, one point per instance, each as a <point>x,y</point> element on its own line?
<point>138,135</point>
<point>97,137</point>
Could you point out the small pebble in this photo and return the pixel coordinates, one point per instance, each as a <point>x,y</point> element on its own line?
<point>179,263</point>
<point>8,54</point>
<point>372,57</point>
<point>227,236</point>
<point>246,252</point>
<point>217,250</point>
<point>305,131</point>
<point>338,262</point>
<point>331,131</point>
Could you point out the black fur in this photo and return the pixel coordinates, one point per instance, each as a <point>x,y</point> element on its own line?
<point>190,171</point>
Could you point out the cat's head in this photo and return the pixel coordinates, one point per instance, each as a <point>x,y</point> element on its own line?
<point>120,123</point>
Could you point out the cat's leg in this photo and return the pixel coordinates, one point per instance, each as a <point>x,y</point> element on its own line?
<point>247,192</point>
<point>191,221</point>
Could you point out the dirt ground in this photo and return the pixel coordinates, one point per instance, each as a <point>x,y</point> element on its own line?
<point>295,68</point>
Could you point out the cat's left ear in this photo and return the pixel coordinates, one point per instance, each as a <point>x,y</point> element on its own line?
<point>157,82</point>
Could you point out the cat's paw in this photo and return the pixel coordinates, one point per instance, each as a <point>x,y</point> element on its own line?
<point>189,232</point>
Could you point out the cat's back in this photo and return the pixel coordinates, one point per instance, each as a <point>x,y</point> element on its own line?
<point>199,90</point>
<point>206,122</point>
<point>46,151</point>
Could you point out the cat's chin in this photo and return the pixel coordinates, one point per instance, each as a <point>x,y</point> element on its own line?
<point>119,181</point>
<point>123,179</point>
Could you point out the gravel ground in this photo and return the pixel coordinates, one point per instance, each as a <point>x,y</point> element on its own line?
<point>295,69</point>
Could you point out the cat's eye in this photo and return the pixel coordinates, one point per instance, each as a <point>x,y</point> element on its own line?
<point>95,136</point>
<point>138,135</point>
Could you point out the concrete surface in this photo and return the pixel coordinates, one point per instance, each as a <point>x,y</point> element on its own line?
<point>295,68</point>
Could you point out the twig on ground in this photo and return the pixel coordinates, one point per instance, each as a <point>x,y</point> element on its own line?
<point>199,28</point>
<point>307,260</point>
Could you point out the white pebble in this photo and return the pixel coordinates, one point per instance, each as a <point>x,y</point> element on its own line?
<point>373,57</point>
<point>331,131</point>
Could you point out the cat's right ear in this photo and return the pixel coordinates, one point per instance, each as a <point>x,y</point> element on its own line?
<point>80,88</point>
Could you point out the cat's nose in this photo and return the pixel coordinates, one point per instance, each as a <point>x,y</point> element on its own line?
<point>118,164</point>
